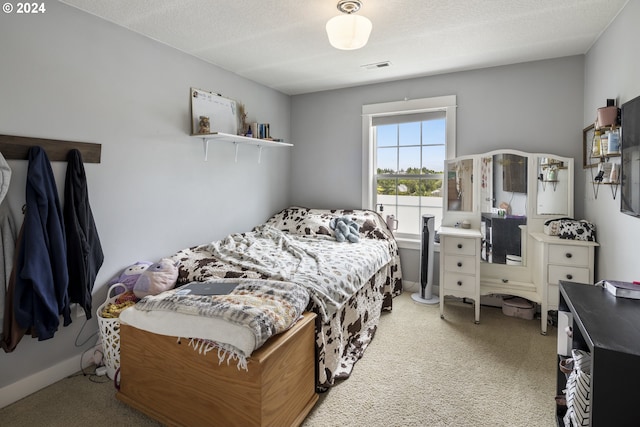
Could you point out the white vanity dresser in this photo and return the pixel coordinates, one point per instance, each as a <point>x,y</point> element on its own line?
<point>506,196</point>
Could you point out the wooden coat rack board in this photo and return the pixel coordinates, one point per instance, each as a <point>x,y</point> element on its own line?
<point>17,148</point>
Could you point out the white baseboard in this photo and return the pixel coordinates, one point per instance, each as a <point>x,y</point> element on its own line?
<point>26,386</point>
<point>409,286</point>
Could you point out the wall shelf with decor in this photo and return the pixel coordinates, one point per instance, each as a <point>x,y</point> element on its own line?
<point>548,172</point>
<point>220,119</point>
<point>238,140</point>
<point>612,185</point>
<point>597,179</point>
<point>596,154</point>
<point>553,183</point>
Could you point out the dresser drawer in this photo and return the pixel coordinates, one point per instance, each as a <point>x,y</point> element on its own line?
<point>568,255</point>
<point>565,272</point>
<point>460,283</point>
<point>460,264</point>
<point>460,246</point>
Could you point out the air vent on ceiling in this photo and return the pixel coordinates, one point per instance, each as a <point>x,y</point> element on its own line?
<point>382,64</point>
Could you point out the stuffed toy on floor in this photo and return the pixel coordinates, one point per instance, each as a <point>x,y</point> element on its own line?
<point>345,229</point>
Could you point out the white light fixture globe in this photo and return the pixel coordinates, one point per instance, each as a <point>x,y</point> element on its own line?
<point>349,31</point>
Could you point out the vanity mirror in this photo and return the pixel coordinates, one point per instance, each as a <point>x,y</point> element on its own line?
<point>460,185</point>
<point>513,189</point>
<point>553,186</point>
<point>503,195</point>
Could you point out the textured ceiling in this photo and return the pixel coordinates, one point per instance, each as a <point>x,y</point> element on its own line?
<point>283,44</point>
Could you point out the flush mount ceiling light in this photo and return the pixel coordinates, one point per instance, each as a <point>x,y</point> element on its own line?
<point>348,31</point>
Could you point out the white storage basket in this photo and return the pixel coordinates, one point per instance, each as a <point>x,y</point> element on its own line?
<point>110,334</point>
<point>518,307</point>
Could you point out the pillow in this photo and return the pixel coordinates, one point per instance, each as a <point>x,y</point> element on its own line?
<point>129,276</point>
<point>372,226</point>
<point>316,222</point>
<point>159,277</point>
<point>577,230</point>
<point>552,226</point>
<point>303,221</point>
<point>287,219</point>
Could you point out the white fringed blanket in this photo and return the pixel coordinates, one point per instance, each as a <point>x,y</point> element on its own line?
<point>235,324</point>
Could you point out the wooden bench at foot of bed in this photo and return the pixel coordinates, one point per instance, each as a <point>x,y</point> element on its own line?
<point>177,385</point>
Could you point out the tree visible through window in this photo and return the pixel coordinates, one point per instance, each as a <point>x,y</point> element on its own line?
<point>409,161</point>
<point>405,144</point>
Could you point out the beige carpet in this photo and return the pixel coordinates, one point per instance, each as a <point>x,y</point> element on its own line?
<point>420,370</point>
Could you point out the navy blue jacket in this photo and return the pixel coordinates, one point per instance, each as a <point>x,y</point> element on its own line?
<point>84,251</point>
<point>41,266</point>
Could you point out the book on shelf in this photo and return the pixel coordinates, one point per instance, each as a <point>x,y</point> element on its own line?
<point>622,289</point>
<point>260,130</point>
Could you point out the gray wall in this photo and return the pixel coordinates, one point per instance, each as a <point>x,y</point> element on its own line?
<point>535,107</point>
<point>612,70</point>
<point>68,75</point>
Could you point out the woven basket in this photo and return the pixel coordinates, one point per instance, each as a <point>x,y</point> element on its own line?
<point>110,333</point>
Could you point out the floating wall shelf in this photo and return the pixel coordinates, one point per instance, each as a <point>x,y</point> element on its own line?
<point>238,140</point>
<point>604,158</point>
<point>554,183</point>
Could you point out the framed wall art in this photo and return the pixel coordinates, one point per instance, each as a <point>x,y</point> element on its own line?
<point>587,146</point>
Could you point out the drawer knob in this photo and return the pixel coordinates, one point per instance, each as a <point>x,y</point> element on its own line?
<point>569,276</point>
<point>459,245</point>
<point>459,264</point>
<point>568,255</point>
<point>459,283</point>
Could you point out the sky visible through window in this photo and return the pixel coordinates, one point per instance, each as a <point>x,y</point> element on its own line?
<point>399,146</point>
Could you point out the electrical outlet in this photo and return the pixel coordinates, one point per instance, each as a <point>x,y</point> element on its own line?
<point>92,356</point>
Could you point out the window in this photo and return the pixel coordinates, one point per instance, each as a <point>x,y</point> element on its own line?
<point>405,146</point>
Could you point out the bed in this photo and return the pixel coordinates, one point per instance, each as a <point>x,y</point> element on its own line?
<point>347,285</point>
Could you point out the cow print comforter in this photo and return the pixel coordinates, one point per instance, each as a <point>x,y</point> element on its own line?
<point>344,328</point>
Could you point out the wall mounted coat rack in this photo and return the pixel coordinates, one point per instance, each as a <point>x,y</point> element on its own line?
<point>17,148</point>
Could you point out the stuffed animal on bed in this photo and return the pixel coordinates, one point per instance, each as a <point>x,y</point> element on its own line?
<point>345,229</point>
<point>159,277</point>
<point>129,276</point>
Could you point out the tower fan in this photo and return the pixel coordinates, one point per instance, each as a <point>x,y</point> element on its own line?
<point>426,262</point>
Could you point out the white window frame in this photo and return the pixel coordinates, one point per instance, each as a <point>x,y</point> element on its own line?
<point>441,103</point>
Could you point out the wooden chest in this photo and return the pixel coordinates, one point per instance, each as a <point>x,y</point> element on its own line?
<point>177,385</point>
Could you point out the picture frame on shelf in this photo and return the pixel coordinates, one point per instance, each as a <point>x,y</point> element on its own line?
<point>587,140</point>
<point>221,113</point>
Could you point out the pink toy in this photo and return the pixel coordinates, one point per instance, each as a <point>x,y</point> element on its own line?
<point>129,276</point>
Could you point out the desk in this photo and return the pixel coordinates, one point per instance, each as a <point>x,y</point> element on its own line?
<point>502,237</point>
<point>609,328</point>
